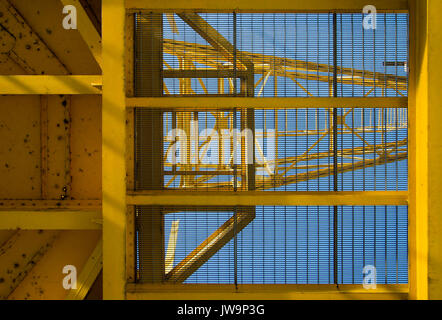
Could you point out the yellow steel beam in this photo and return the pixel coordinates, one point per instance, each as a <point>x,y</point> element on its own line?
<point>113,150</point>
<point>5,235</point>
<point>212,36</point>
<point>418,139</point>
<point>20,254</point>
<point>265,292</point>
<point>50,220</point>
<point>266,198</point>
<point>44,84</point>
<point>87,30</point>
<point>203,73</point>
<point>45,280</point>
<point>41,205</point>
<point>266,6</point>
<point>170,252</point>
<point>285,67</point>
<point>425,162</point>
<point>211,245</point>
<point>30,52</point>
<point>264,103</point>
<point>88,275</point>
<point>434,47</point>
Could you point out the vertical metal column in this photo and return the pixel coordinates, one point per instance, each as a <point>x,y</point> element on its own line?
<point>148,82</point>
<point>335,151</point>
<point>235,177</point>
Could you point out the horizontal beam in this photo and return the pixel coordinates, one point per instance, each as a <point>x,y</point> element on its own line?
<point>203,73</point>
<point>266,6</point>
<point>45,84</point>
<point>264,292</point>
<point>268,198</point>
<point>50,220</point>
<point>264,103</point>
<point>43,205</point>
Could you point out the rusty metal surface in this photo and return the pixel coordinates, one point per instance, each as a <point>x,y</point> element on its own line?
<point>86,147</point>
<point>44,281</point>
<point>19,254</point>
<point>50,150</point>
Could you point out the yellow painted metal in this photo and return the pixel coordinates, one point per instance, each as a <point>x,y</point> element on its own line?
<point>130,245</point>
<point>45,280</point>
<point>55,146</point>
<point>294,69</point>
<point>19,147</point>
<point>171,245</point>
<point>36,205</point>
<point>267,6</point>
<point>265,198</point>
<point>88,275</point>
<point>85,147</point>
<point>114,137</point>
<point>199,103</point>
<point>5,235</point>
<point>417,267</point>
<point>44,84</point>
<point>419,159</point>
<point>44,21</point>
<point>129,55</point>
<point>434,47</point>
<point>425,137</point>
<point>87,29</point>
<point>36,133</point>
<point>29,51</point>
<point>20,254</point>
<point>212,36</point>
<point>265,292</point>
<point>50,220</point>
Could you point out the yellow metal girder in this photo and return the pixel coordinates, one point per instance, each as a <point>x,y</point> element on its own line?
<point>264,103</point>
<point>267,6</point>
<point>87,30</point>
<point>45,280</point>
<point>265,292</point>
<point>88,275</point>
<point>266,198</point>
<point>20,254</point>
<point>113,149</point>
<point>50,220</point>
<point>211,245</point>
<point>212,36</point>
<point>434,47</point>
<point>44,84</point>
<point>282,66</point>
<point>29,51</point>
<point>42,205</point>
<point>425,168</point>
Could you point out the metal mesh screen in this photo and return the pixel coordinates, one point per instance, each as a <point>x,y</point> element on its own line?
<point>282,245</point>
<point>292,54</point>
<point>297,149</point>
<point>293,149</point>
